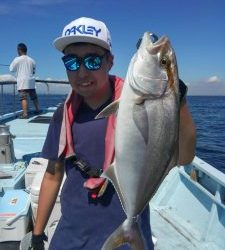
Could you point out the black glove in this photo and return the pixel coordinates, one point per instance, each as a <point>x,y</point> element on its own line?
<point>37,242</point>
<point>183,91</point>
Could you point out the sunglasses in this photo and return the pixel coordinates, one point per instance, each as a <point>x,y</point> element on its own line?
<point>90,62</point>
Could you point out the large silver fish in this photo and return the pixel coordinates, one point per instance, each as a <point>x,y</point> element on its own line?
<point>146,139</point>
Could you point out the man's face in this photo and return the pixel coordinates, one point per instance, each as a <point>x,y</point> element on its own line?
<point>19,51</point>
<point>88,83</point>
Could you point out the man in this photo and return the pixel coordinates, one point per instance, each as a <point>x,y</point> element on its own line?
<point>24,66</point>
<point>90,208</point>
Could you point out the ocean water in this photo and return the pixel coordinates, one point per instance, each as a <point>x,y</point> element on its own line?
<point>208,113</point>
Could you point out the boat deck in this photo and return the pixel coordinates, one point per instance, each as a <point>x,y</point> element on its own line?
<point>30,133</point>
<point>187,212</point>
<point>29,139</point>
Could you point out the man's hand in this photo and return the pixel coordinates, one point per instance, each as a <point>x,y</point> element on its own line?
<point>37,242</point>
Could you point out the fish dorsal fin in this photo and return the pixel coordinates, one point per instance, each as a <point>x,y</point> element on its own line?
<point>110,174</point>
<point>109,110</point>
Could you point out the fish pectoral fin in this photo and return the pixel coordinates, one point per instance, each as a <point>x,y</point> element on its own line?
<point>125,234</point>
<point>109,110</point>
<point>110,174</point>
<point>140,100</point>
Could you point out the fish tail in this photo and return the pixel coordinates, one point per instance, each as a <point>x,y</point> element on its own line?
<point>127,233</point>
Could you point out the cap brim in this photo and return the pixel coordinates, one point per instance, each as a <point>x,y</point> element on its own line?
<point>62,42</point>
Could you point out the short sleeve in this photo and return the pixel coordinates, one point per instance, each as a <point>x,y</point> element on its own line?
<point>51,144</point>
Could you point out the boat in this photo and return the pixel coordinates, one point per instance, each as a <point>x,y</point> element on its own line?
<point>187,212</point>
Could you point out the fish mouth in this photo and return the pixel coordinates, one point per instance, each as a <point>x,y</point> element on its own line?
<point>153,67</point>
<point>153,47</point>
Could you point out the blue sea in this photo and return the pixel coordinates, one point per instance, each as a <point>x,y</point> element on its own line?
<point>208,113</point>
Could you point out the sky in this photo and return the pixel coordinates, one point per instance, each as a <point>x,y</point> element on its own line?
<point>196,29</point>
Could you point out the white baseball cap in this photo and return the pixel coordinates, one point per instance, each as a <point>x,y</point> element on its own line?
<point>84,29</point>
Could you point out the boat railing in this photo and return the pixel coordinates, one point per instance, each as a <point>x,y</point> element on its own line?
<point>47,83</point>
<point>7,83</point>
<point>209,179</point>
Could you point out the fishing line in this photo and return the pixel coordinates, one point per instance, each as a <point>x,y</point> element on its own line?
<point>1,64</point>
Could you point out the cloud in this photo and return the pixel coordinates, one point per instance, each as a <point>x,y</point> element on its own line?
<point>213,85</point>
<point>7,78</point>
<point>53,88</point>
<point>42,88</point>
<point>213,79</point>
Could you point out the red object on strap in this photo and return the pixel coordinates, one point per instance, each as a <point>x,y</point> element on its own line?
<point>94,196</point>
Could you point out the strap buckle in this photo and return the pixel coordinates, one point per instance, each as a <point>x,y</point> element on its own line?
<point>85,168</point>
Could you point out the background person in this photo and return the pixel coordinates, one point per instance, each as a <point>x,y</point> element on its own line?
<point>24,67</point>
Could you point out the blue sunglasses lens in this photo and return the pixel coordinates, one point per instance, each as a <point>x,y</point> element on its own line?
<point>71,63</point>
<point>91,62</point>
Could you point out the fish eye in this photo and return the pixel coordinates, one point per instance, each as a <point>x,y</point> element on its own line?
<point>164,61</point>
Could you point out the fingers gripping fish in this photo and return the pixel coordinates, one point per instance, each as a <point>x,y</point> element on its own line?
<point>146,138</point>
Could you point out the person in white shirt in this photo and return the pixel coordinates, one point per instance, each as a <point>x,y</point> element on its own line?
<point>24,67</point>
